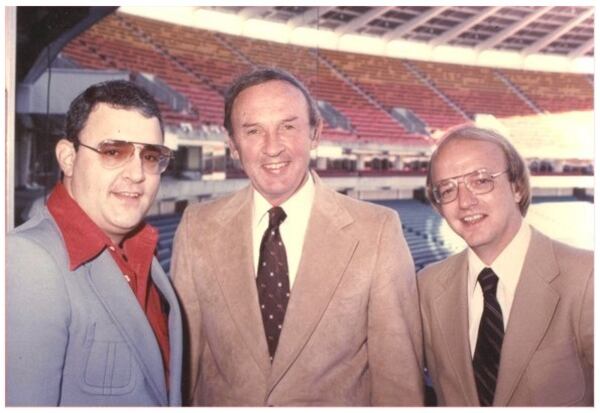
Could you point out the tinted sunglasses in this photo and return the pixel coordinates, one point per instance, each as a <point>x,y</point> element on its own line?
<point>115,153</point>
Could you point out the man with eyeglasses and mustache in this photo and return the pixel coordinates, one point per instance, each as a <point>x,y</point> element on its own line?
<point>91,318</point>
<point>509,320</point>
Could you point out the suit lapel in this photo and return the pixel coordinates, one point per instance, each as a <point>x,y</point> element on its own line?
<point>532,310</point>
<point>451,313</point>
<point>319,274</point>
<point>114,293</point>
<point>175,328</point>
<point>231,251</point>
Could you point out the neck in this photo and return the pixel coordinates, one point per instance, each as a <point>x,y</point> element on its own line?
<point>117,240</point>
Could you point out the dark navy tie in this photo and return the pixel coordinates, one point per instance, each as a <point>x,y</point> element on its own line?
<point>486,359</point>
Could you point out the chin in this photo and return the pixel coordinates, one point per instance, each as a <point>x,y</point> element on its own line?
<point>128,225</point>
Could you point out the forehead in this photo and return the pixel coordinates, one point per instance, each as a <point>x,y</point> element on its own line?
<point>109,122</point>
<point>462,156</point>
<point>272,97</point>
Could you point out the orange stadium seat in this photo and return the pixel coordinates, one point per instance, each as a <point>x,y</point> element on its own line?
<point>555,92</point>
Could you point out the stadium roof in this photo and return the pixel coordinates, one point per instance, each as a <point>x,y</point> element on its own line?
<point>559,38</point>
<point>567,31</point>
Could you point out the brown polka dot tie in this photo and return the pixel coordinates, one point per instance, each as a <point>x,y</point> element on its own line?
<point>272,279</point>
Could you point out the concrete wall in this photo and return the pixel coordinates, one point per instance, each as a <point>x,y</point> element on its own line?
<point>65,85</point>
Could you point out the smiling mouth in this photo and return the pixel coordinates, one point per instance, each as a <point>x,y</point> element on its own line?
<point>275,167</point>
<point>472,219</point>
<point>129,195</point>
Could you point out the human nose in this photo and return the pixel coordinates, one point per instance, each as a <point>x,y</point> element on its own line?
<point>466,198</point>
<point>272,145</point>
<point>134,167</point>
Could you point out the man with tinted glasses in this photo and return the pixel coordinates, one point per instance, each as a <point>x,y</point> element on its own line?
<point>92,319</point>
<point>508,321</point>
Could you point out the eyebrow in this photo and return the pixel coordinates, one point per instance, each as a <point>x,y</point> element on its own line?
<point>459,176</point>
<point>290,119</point>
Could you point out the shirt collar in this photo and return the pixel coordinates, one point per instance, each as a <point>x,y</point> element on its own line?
<point>508,265</point>
<point>83,239</point>
<point>298,203</point>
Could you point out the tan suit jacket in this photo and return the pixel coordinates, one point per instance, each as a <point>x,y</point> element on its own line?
<point>351,334</point>
<point>547,355</point>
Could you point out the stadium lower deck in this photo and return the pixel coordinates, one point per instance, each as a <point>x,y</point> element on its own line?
<point>430,239</point>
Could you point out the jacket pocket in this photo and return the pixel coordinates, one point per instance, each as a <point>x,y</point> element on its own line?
<point>108,365</point>
<point>556,376</point>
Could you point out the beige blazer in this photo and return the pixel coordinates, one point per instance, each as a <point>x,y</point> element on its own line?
<point>351,334</point>
<point>548,351</point>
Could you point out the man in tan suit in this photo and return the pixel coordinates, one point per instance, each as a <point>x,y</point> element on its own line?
<point>508,321</point>
<point>294,294</point>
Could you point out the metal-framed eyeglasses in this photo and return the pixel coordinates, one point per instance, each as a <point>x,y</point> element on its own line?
<point>478,182</point>
<point>115,153</point>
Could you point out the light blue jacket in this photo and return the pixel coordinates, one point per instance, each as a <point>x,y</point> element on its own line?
<point>80,338</point>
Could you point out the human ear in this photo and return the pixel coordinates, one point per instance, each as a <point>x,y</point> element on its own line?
<point>316,134</point>
<point>517,193</point>
<point>437,207</point>
<point>233,149</point>
<point>65,155</point>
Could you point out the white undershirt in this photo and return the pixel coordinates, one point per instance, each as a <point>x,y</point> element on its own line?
<point>293,230</point>
<point>507,266</point>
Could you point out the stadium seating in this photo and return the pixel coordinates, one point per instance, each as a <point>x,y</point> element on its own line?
<point>166,226</point>
<point>114,44</point>
<point>369,121</point>
<point>421,226</point>
<point>475,89</point>
<point>201,64</point>
<point>555,92</point>
<point>389,81</point>
<point>199,49</point>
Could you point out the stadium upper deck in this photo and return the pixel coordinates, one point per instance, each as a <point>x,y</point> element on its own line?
<point>200,64</point>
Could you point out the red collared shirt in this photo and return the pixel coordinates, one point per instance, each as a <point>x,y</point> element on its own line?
<point>84,240</point>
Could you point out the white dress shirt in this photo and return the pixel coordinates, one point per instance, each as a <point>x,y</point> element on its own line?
<point>507,266</point>
<point>297,209</point>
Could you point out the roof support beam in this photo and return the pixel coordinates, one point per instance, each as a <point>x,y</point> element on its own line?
<point>252,11</point>
<point>308,16</point>
<point>510,30</point>
<point>363,19</point>
<point>550,37</point>
<point>583,49</point>
<point>418,20</point>
<point>464,26</point>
